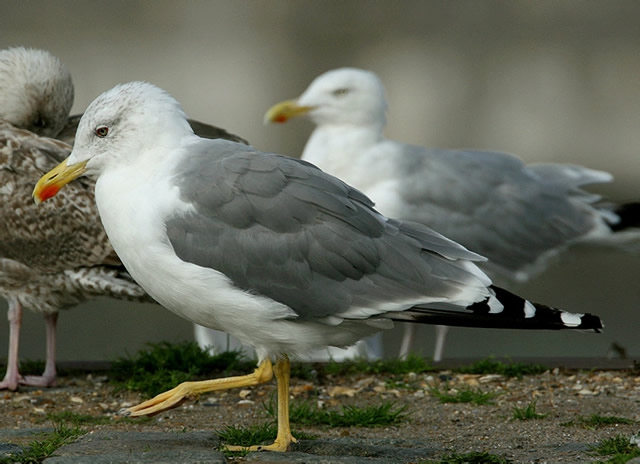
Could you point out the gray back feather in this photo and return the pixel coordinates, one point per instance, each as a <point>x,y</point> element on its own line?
<point>493,204</point>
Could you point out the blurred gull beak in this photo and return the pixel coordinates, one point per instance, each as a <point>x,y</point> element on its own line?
<point>283,111</point>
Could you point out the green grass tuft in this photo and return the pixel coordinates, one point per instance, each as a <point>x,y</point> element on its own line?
<point>164,365</point>
<point>253,435</point>
<point>307,413</point>
<point>38,450</point>
<point>527,413</point>
<point>492,366</point>
<point>620,447</point>
<point>247,436</point>
<point>464,395</point>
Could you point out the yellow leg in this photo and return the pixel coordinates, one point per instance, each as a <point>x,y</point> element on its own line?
<point>282,370</point>
<point>191,390</point>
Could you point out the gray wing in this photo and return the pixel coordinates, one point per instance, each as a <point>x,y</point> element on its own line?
<point>68,133</point>
<point>282,228</point>
<point>494,204</point>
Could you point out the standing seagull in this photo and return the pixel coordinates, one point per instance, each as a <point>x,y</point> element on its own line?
<point>517,216</point>
<point>57,257</point>
<point>268,248</point>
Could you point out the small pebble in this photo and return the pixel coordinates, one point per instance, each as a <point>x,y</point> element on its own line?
<point>342,391</point>
<point>393,392</point>
<point>364,383</point>
<point>472,382</point>
<point>586,392</point>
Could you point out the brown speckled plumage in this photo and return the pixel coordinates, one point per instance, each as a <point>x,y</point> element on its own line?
<point>51,258</point>
<point>55,255</point>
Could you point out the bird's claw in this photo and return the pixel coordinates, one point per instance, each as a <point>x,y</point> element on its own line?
<point>162,402</point>
<point>279,445</point>
<point>11,382</point>
<point>11,386</point>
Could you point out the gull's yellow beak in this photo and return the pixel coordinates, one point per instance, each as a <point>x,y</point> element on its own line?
<point>283,111</point>
<point>51,183</point>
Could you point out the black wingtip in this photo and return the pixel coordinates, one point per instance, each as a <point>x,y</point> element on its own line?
<point>629,214</point>
<point>591,322</point>
<point>516,313</point>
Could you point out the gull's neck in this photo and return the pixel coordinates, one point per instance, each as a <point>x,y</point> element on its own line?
<point>334,148</point>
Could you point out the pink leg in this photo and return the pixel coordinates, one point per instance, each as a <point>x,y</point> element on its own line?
<point>12,377</point>
<point>48,377</point>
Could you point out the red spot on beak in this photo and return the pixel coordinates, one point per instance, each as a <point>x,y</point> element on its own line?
<point>280,119</point>
<point>49,192</point>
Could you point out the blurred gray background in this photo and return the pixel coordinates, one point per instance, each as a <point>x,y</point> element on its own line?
<point>548,80</point>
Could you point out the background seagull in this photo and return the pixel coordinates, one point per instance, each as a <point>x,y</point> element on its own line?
<point>268,248</point>
<point>518,216</point>
<point>57,257</point>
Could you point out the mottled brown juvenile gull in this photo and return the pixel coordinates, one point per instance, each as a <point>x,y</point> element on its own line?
<point>55,258</point>
<point>59,256</point>
<point>266,247</point>
<point>516,215</point>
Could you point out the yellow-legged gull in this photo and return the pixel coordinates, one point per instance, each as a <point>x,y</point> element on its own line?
<point>268,248</point>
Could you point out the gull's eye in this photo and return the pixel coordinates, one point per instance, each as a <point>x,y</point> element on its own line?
<point>102,131</point>
<point>340,92</point>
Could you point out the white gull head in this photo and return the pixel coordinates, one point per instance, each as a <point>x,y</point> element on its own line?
<point>36,89</point>
<point>346,96</point>
<point>125,122</point>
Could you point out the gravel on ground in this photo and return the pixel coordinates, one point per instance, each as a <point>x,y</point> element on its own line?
<point>430,431</point>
